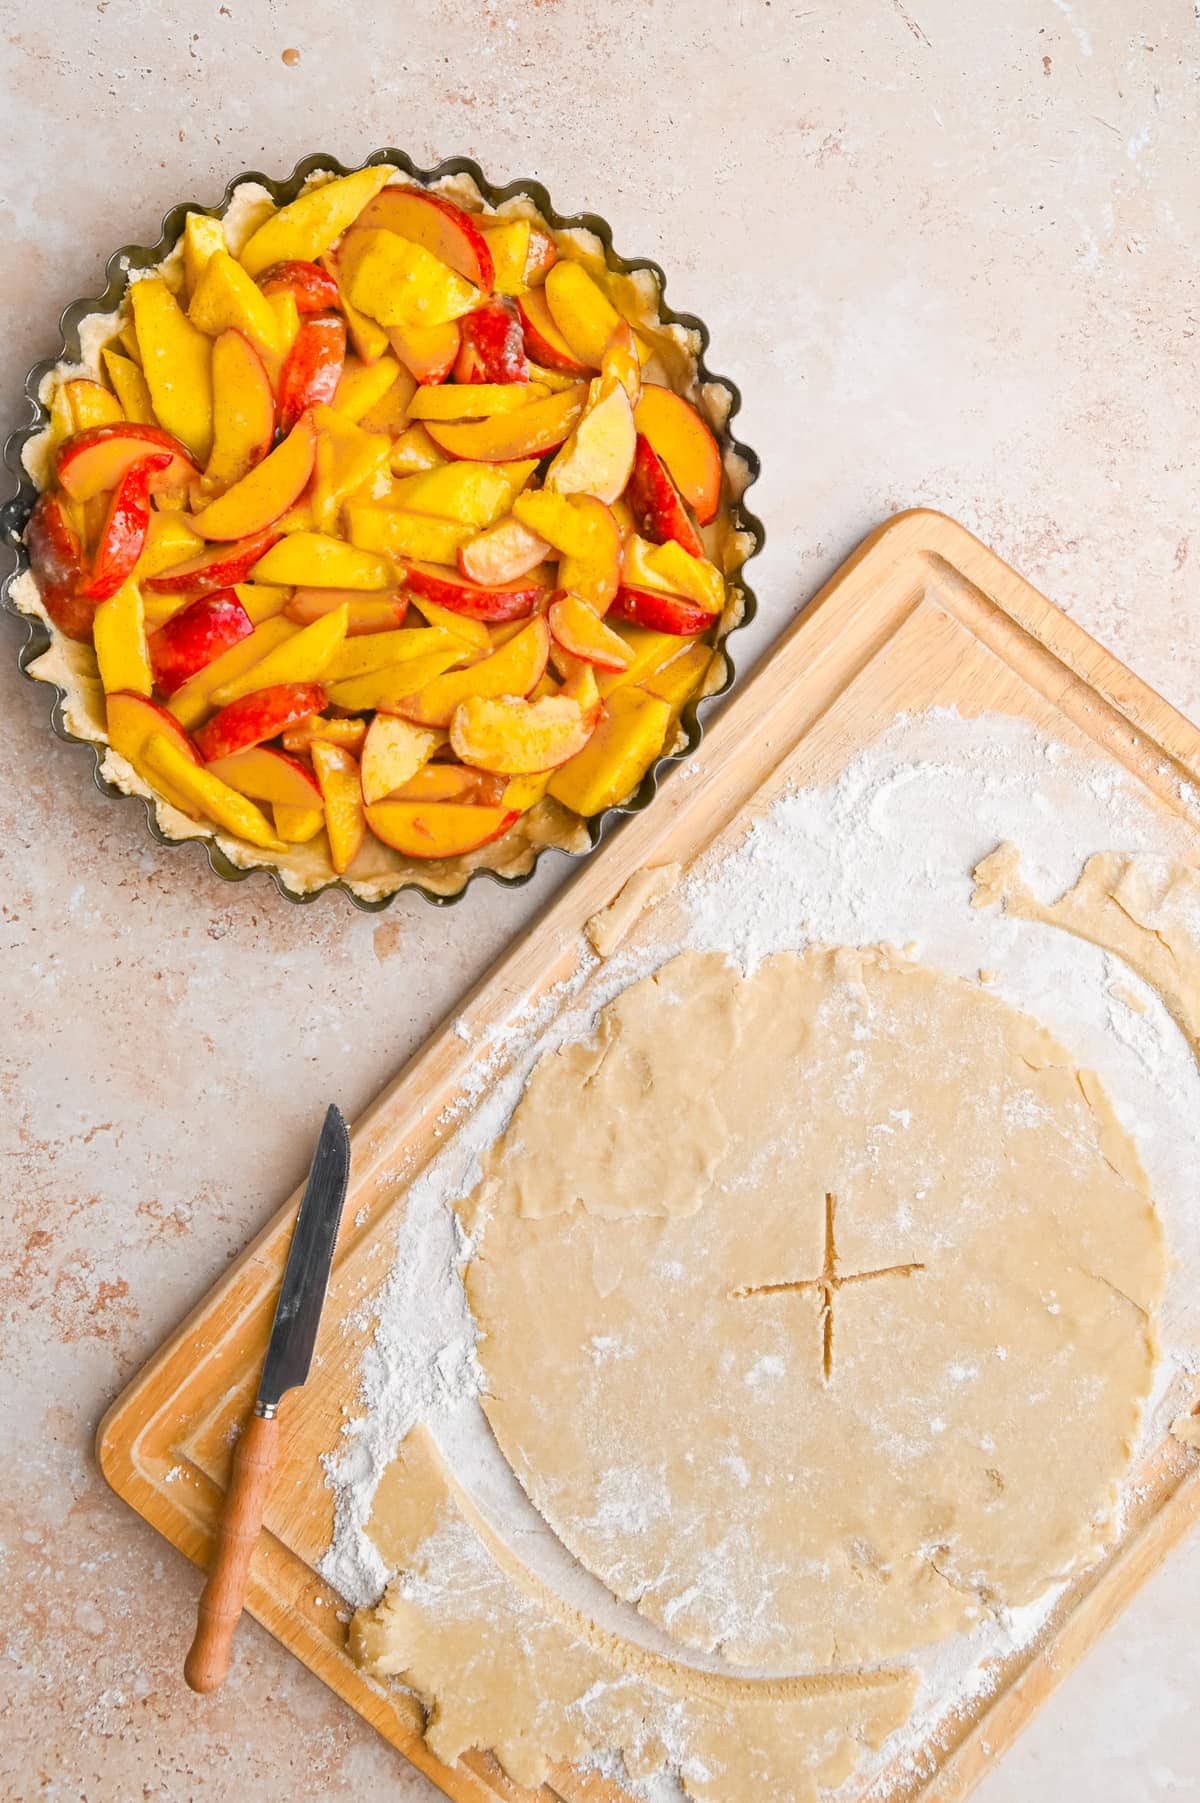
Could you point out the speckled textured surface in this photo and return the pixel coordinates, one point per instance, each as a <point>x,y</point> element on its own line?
<point>950,254</point>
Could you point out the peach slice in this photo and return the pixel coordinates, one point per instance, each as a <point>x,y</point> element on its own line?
<point>194,636</point>
<point>598,457</point>
<point>314,289</point>
<point>193,700</point>
<point>446,231</point>
<point>669,566</point>
<point>585,531</point>
<point>427,352</point>
<point>93,462</point>
<point>543,255</point>
<point>169,767</point>
<point>219,568</point>
<point>243,411</point>
<point>203,236</point>
<point>437,829</point>
<point>511,737</point>
<point>389,687</point>
<point>130,722</point>
<point>226,299</point>
<point>261,497</point>
<point>403,534</point>
<point>413,452</point>
<point>621,363</point>
<point>453,782</point>
<point>476,494</point>
<point>302,658</point>
<point>506,601</point>
<point>474,400</point>
<point>177,365</point>
<point>661,612</point>
<point>91,404</point>
<point>349,733</point>
<point>337,773</point>
<point>514,670</point>
<point>686,446</point>
<point>312,368</point>
<point>529,432</point>
<point>169,541</point>
<point>315,560</point>
<point>502,553</point>
<point>119,635</point>
<point>393,751</point>
<point>263,714</point>
<point>307,227</point>
<point>616,757</point>
<point>400,283</point>
<point>296,826</point>
<point>656,504</point>
<point>544,343</point>
<point>493,346</point>
<point>508,240</point>
<point>57,564</point>
<point>578,628</point>
<point>129,385</point>
<point>123,533</point>
<point>365,613</point>
<point>363,387</point>
<point>267,775</point>
<point>583,313</point>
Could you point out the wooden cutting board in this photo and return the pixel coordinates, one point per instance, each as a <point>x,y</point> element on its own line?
<point>922,615</point>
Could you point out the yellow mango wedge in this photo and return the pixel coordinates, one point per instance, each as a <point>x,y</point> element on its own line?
<point>169,540</point>
<point>243,411</point>
<point>190,703</point>
<point>177,364</point>
<point>414,450</point>
<point>376,650</point>
<point>400,283</point>
<point>226,299</point>
<point>91,404</point>
<point>262,600</point>
<point>307,227</point>
<point>362,386</point>
<point>119,630</point>
<point>508,241</point>
<point>618,754</point>
<point>474,400</point>
<point>296,826</point>
<point>215,799</point>
<point>301,658</point>
<point>391,686</point>
<point>475,494</point>
<point>403,534</point>
<point>672,568</point>
<point>583,313</point>
<point>202,237</point>
<point>129,386</point>
<point>314,560</point>
<point>347,457</point>
<point>678,680</point>
<point>337,772</point>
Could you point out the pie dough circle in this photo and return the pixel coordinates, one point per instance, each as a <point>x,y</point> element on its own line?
<point>683,1438</point>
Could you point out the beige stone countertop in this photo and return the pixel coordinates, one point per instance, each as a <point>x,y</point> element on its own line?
<point>949,252</point>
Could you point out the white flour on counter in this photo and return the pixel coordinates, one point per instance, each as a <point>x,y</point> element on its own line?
<point>883,854</point>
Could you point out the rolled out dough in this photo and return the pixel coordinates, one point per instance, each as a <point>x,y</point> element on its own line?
<point>816,1307</point>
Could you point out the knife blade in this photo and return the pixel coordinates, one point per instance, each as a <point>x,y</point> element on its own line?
<point>306,1274</point>
<point>286,1365</point>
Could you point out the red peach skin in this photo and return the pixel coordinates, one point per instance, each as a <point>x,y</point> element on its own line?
<point>263,715</point>
<point>312,368</point>
<point>493,346</point>
<point>313,287</point>
<point>123,534</point>
<point>194,636</point>
<point>57,563</point>
<point>216,569</point>
<point>660,612</point>
<point>656,504</point>
<point>512,601</point>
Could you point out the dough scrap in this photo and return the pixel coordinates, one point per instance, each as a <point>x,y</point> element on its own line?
<point>498,1666</point>
<point>654,1336</point>
<point>607,928</point>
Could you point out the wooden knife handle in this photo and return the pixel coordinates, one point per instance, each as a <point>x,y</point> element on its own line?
<point>241,1523</point>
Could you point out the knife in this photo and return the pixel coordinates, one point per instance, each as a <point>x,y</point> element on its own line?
<point>289,1355</point>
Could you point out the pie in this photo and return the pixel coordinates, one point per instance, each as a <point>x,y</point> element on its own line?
<point>382,534</point>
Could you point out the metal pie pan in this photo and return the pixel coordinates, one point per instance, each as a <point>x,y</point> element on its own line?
<point>14,514</point>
